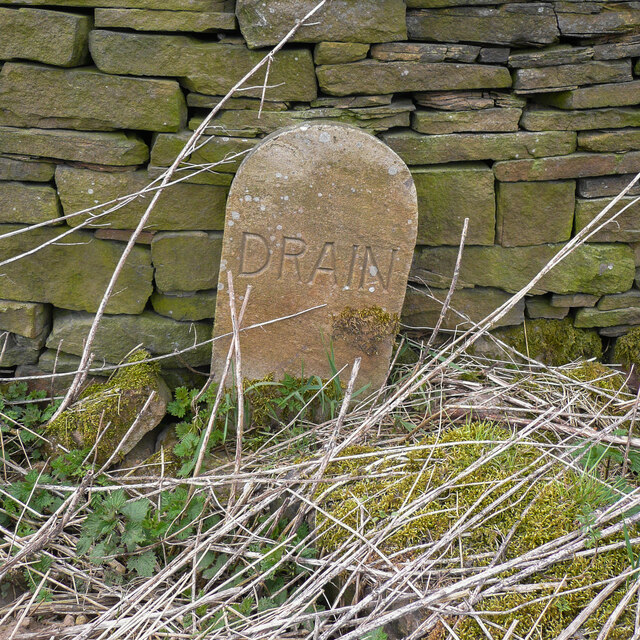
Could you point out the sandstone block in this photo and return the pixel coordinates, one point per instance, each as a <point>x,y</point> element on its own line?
<point>600,21</point>
<point>447,194</point>
<point>620,300</point>
<point>195,176</point>
<point>596,318</point>
<point>341,20</point>
<point>562,54</point>
<point>252,104</point>
<point>223,152</point>
<point>454,100</point>
<point>87,99</point>
<point>424,52</point>
<point>547,119</point>
<point>18,350</point>
<point>517,24</point>
<point>530,213</point>
<point>619,94</point>
<point>185,5</point>
<point>124,235</point>
<point>619,140</point>
<point>595,269</point>
<point>373,76</point>
<point>26,170</point>
<point>540,307</point>
<point>27,319</point>
<point>625,228</point>
<point>416,148</point>
<point>291,234</point>
<point>574,300</point>
<point>22,202</point>
<point>117,148</point>
<point>74,272</point>
<point>204,67</point>
<point>422,308</point>
<point>193,305</point>
<point>575,165</point>
<point>482,120</point>
<point>338,52</point>
<point>181,206</point>
<point>600,187</point>
<point>188,261</point>
<point>65,41</point>
<point>145,20</point>
<point>614,50</point>
<point>570,75</point>
<point>118,334</point>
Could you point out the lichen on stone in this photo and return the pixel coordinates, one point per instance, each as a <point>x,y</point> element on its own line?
<point>108,409</point>
<point>365,329</point>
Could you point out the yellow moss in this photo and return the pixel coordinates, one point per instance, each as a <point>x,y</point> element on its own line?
<point>627,349</point>
<point>539,513</point>
<point>365,329</point>
<point>103,403</point>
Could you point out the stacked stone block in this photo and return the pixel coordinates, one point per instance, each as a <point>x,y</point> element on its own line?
<point>521,116</point>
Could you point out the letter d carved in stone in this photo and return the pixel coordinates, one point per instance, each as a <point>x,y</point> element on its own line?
<point>319,215</point>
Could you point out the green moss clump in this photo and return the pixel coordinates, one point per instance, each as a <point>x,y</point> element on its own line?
<point>556,505</point>
<point>115,402</point>
<point>553,342</point>
<point>365,329</point>
<point>627,349</point>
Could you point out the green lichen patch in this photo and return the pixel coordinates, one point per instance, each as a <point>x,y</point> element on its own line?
<point>553,342</point>
<point>365,329</point>
<point>107,410</point>
<point>627,349</point>
<point>512,506</point>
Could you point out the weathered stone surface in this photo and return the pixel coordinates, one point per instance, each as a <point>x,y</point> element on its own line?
<point>454,100</point>
<point>253,104</point>
<point>570,75</point>
<point>18,350</point>
<point>87,99</point>
<point>624,49</point>
<point>615,332</point>
<point>540,307</point>
<point>618,94</point>
<point>530,213</point>
<point>198,305</point>
<point>574,300</point>
<point>144,20</point>
<point>494,55</point>
<point>511,24</point>
<point>117,148</point>
<point>547,119</point>
<point>27,203</point>
<point>118,334</point>
<point>373,76</point>
<point>600,187</point>
<point>562,54</point>
<point>625,228</point>
<point>421,52</point>
<point>338,52</point>
<point>185,5</point>
<point>611,140</point>
<point>596,269</point>
<point>181,206</point>
<point>447,194</point>
<point>224,153</point>
<point>575,165</point>
<point>27,319</point>
<point>595,318</point>
<point>422,308</point>
<point>65,41</point>
<point>195,175</point>
<point>251,123</point>
<point>187,261</point>
<point>351,254</point>
<point>587,24</point>
<point>124,235</point>
<point>25,169</point>
<point>265,24</point>
<point>204,67</point>
<point>436,4</point>
<point>620,300</point>
<point>438,122</point>
<point>74,272</point>
<point>415,148</point>
<point>352,102</point>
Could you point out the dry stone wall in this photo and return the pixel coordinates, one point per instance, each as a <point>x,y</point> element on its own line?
<point>521,116</point>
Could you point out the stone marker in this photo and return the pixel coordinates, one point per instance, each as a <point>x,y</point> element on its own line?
<point>318,214</point>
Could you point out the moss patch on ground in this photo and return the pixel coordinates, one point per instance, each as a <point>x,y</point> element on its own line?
<point>535,513</point>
